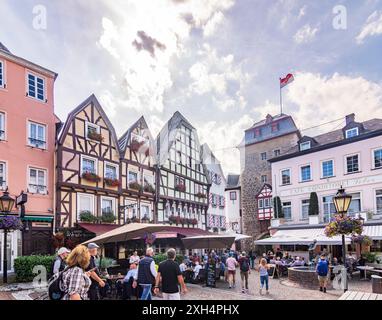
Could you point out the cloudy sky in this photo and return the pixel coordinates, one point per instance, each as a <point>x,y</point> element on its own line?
<point>216,61</point>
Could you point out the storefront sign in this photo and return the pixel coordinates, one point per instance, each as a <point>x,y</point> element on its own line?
<point>78,233</point>
<point>332,186</point>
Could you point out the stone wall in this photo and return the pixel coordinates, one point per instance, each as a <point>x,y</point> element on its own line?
<point>251,183</point>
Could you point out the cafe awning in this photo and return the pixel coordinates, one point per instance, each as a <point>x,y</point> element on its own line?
<point>98,229</point>
<point>373,231</point>
<point>305,236</point>
<point>209,242</point>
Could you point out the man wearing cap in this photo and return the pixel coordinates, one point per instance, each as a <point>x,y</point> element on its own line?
<point>59,264</point>
<point>94,273</point>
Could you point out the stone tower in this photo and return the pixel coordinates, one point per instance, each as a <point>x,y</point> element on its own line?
<point>269,138</point>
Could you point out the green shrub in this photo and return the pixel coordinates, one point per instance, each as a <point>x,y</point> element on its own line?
<point>370,257</point>
<point>105,262</point>
<point>158,258</point>
<point>24,266</point>
<point>108,216</point>
<point>313,204</point>
<point>277,208</point>
<point>87,216</point>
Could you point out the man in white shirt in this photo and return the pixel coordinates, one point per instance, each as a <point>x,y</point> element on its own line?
<point>197,269</point>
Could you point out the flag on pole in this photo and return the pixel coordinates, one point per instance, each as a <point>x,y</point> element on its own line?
<point>287,80</point>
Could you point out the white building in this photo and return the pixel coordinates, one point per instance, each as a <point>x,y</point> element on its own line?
<point>216,219</point>
<point>233,203</point>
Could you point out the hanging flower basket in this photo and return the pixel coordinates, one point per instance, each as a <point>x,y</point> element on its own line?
<point>10,223</point>
<point>149,188</point>
<point>180,187</point>
<point>95,136</point>
<point>362,240</point>
<point>90,176</point>
<point>111,182</point>
<point>343,226</point>
<point>201,195</point>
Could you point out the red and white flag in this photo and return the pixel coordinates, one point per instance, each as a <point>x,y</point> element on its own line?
<point>287,80</point>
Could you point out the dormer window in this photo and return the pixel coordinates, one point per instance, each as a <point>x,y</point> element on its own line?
<point>350,133</point>
<point>275,127</point>
<point>305,145</point>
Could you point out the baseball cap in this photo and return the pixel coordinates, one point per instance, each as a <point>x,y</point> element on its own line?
<point>63,250</point>
<point>93,245</point>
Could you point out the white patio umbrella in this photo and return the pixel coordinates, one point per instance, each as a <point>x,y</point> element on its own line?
<point>238,236</point>
<point>218,241</point>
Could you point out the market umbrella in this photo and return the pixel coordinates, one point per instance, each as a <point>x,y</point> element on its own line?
<point>238,236</point>
<point>209,241</point>
<point>127,232</point>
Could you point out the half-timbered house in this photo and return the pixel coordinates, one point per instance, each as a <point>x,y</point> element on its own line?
<point>88,174</point>
<point>183,191</point>
<point>137,174</point>
<point>264,205</point>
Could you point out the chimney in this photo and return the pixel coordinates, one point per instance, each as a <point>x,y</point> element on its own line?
<point>268,118</point>
<point>350,118</point>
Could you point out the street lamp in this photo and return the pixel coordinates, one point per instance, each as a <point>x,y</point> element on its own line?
<point>342,202</point>
<point>6,206</point>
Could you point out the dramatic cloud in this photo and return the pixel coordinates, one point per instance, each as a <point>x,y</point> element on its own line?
<point>147,43</point>
<point>212,25</point>
<point>372,27</point>
<point>305,34</point>
<point>321,99</point>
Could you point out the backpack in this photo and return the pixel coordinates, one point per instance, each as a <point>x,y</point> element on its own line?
<point>244,265</point>
<point>55,286</point>
<point>322,268</point>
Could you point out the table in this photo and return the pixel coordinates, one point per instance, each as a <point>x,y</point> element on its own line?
<point>365,268</point>
<point>355,295</point>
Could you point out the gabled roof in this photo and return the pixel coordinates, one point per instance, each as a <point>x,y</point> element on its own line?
<point>233,181</point>
<point>4,48</point>
<point>123,142</point>
<point>91,100</point>
<point>209,159</point>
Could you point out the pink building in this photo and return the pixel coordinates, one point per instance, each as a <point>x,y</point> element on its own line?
<point>27,144</point>
<point>350,157</point>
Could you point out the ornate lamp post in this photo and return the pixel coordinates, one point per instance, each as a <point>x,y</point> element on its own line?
<point>342,202</point>
<point>6,206</point>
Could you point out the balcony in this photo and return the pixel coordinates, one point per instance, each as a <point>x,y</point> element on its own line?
<point>37,189</point>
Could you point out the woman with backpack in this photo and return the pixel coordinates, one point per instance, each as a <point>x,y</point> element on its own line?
<point>244,271</point>
<point>75,280</point>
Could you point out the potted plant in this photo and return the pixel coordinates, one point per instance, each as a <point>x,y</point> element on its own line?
<point>108,216</point>
<point>149,188</point>
<point>201,195</point>
<point>111,182</point>
<point>95,136</point>
<point>313,209</point>
<point>87,216</point>
<point>277,212</point>
<point>91,176</point>
<point>135,185</point>
<point>180,187</point>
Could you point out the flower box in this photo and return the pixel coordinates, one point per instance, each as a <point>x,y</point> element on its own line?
<point>180,187</point>
<point>95,136</point>
<point>108,217</point>
<point>201,195</point>
<point>112,182</point>
<point>90,176</point>
<point>135,185</point>
<point>149,188</point>
<point>87,216</point>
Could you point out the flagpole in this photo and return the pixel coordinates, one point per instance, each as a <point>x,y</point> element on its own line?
<point>281,99</point>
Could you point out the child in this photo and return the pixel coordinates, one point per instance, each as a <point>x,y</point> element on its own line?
<point>263,269</point>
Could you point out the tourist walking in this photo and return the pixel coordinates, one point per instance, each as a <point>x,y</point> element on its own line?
<point>244,271</point>
<point>94,273</point>
<point>60,263</point>
<point>75,280</point>
<point>134,258</point>
<point>252,258</point>
<point>146,275</point>
<point>170,276</point>
<point>322,270</point>
<point>264,277</point>
<point>231,267</point>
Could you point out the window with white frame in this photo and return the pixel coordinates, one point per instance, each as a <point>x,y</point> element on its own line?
<point>36,87</point>
<point>267,203</point>
<point>91,129</point>
<point>350,133</point>
<point>85,204</point>
<point>131,210</point>
<point>352,163</point>
<point>327,168</point>
<point>305,209</point>
<point>221,201</point>
<point>263,156</point>
<point>3,175</point>
<point>306,174</point>
<point>261,203</point>
<point>287,210</point>
<point>133,176</point>
<point>213,199</point>
<point>111,171</point>
<point>277,152</point>
<point>378,195</point>
<point>355,204</point>
<point>37,181</point>
<point>2,126</point>
<point>88,165</point>
<point>37,135</point>
<point>232,195</point>
<point>285,176</point>
<point>305,145</point>
<point>377,156</point>
<point>2,74</point>
<point>108,205</point>
<point>329,208</point>
<point>145,212</point>
<point>148,180</point>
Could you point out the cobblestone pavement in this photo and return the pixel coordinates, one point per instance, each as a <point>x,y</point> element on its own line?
<point>279,290</point>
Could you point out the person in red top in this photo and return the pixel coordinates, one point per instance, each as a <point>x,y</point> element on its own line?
<point>244,264</point>
<point>196,258</point>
